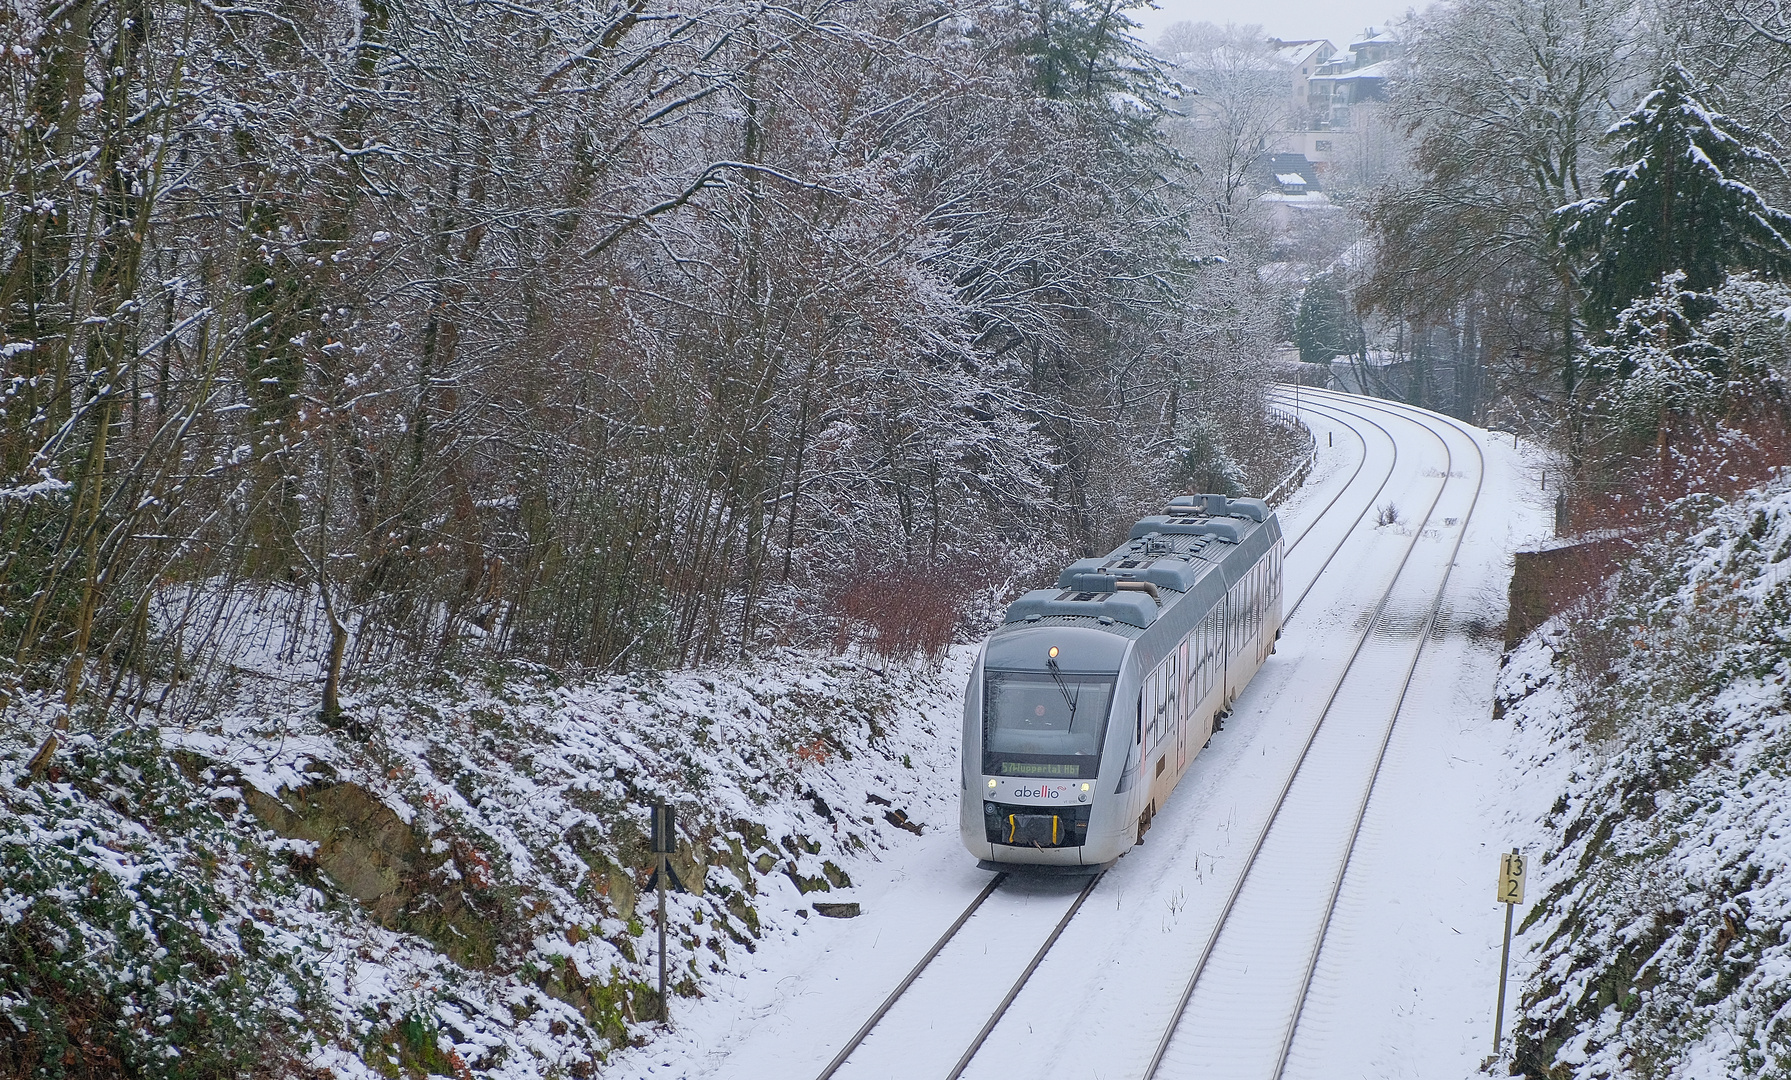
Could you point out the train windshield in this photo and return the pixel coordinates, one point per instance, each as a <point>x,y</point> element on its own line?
<point>1036,723</point>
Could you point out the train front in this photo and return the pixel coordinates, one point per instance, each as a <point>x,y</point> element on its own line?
<point>1048,741</point>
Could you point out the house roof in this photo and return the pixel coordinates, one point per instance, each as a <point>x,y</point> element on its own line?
<point>1382,70</point>
<point>1371,36</point>
<point>1298,52</point>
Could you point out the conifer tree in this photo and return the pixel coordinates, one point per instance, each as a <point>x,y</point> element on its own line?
<point>1679,201</point>
<point>1325,327</point>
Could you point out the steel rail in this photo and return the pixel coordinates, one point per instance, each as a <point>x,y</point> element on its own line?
<point>1392,467</point>
<point>951,932</point>
<point>895,995</point>
<point>1320,516</point>
<point>1349,849</point>
<point>1262,836</point>
<point>1020,983</point>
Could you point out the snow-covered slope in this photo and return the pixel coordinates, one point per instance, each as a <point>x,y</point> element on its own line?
<point>453,885</point>
<point>1661,945</point>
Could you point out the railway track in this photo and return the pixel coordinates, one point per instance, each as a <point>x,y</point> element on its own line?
<point>1319,526</point>
<point>1185,1051</point>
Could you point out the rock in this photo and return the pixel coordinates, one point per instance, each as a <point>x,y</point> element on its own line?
<point>691,866</point>
<point>621,894</point>
<point>373,856</point>
<point>838,911</point>
<point>899,818</point>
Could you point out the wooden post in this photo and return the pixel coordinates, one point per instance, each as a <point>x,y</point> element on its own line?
<point>1498,1013</point>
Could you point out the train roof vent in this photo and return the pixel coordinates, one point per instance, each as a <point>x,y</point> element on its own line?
<point>1255,509</point>
<point>1177,574</point>
<point>1095,583</point>
<point>1080,566</point>
<point>1216,506</point>
<point>1224,528</point>
<point>1131,608</point>
<point>1196,506</point>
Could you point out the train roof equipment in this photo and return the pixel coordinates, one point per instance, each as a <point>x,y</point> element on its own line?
<point>1194,550</point>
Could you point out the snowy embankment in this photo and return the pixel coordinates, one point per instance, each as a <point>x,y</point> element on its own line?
<point>458,890</point>
<point>1659,936</point>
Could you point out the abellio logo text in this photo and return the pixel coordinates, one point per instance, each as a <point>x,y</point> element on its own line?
<point>1043,791</point>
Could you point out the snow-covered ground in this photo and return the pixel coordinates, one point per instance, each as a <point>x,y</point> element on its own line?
<point>1661,721</point>
<point>1406,980</point>
<point>806,780</point>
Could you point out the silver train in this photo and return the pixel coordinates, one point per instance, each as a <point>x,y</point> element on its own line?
<point>1087,706</point>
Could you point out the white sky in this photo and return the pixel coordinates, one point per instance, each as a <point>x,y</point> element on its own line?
<point>1341,21</point>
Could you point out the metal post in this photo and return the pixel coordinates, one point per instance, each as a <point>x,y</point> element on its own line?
<point>1504,967</point>
<point>665,1007</point>
<point>665,842</point>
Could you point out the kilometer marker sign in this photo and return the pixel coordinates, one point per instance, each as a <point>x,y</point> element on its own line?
<point>1512,867</point>
<point>1511,877</point>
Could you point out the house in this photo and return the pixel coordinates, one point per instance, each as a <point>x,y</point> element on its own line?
<point>1290,187</point>
<point>1285,174</point>
<point>1351,78</point>
<point>1301,59</point>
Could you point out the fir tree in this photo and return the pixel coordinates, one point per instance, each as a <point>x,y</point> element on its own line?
<point>1325,326</point>
<point>1678,201</point>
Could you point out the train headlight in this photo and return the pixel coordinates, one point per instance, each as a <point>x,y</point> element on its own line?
<point>1053,652</point>
<point>991,785</point>
<point>1084,787</point>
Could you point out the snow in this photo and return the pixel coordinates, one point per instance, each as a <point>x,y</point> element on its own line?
<point>820,752</point>
<point>1406,981</point>
<point>1665,903</point>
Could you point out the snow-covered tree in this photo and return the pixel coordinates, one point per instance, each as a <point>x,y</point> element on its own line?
<point>587,333</point>
<point>1234,100</point>
<point>1678,200</point>
<point>1505,100</point>
<point>1676,355</point>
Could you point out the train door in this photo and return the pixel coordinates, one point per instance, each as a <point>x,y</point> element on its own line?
<point>1186,701</point>
<point>1158,723</point>
<point>1233,641</point>
<point>1259,609</point>
<point>1207,669</point>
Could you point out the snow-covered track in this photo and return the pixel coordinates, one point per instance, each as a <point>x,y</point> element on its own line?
<point>1020,983</point>
<point>1253,922</point>
<point>902,988</point>
<point>1323,523</point>
<point>928,1016</point>
<point>1325,519</point>
<point>983,937</point>
<point>1387,734</point>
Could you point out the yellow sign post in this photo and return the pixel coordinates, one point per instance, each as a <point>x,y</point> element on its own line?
<point>1512,868</point>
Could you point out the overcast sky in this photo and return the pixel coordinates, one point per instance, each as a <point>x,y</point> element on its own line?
<point>1340,21</point>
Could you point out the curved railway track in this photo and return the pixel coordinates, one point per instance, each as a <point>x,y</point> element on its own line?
<point>1317,527</point>
<point>1367,787</point>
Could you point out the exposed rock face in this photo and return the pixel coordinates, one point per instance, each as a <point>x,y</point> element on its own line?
<point>374,856</point>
